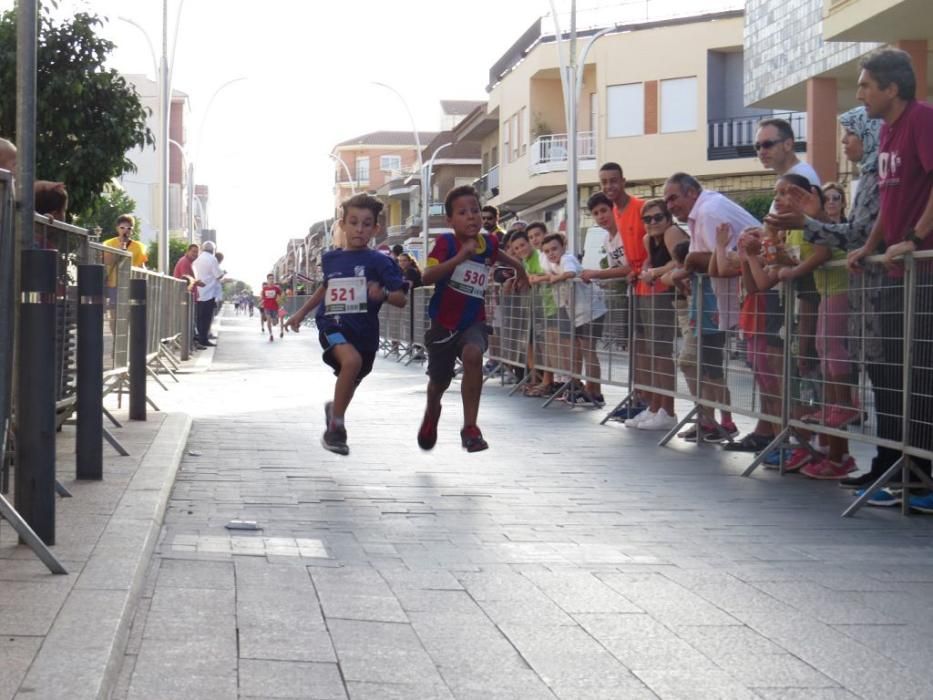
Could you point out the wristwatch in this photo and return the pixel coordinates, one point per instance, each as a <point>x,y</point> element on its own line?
<point>912,236</point>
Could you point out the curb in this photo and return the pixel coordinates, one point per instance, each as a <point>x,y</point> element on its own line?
<point>83,652</point>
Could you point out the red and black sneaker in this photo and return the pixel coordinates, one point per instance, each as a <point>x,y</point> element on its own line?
<point>427,433</point>
<point>472,439</point>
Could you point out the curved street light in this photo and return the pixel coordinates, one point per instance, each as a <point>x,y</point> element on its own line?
<point>339,160</point>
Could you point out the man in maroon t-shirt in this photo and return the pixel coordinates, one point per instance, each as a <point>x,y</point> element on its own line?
<point>887,87</point>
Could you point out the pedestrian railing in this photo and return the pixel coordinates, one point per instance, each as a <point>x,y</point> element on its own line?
<point>848,356</point>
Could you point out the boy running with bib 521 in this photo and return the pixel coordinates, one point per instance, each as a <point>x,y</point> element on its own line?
<point>459,267</point>
<point>357,280</point>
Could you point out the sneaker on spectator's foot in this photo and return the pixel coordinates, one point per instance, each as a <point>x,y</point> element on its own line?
<point>472,439</point>
<point>490,367</point>
<point>662,420</point>
<point>883,498</point>
<point>840,416</point>
<point>922,504</point>
<point>798,458</point>
<point>825,469</point>
<point>596,400</point>
<point>772,460</point>
<point>716,433</point>
<point>647,414</point>
<point>690,434</point>
<point>627,412</point>
<point>731,428</point>
<point>752,442</point>
<point>427,433</point>
<point>334,439</point>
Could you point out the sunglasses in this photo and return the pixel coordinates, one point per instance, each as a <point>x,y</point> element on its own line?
<point>765,145</point>
<point>654,219</point>
<point>834,197</point>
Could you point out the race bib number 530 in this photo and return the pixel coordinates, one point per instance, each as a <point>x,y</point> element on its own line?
<point>345,295</point>
<point>470,278</point>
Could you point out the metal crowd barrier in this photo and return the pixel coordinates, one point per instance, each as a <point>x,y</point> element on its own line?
<point>853,363</point>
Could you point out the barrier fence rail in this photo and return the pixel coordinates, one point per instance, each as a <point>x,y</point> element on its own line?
<point>72,254</point>
<point>815,361</point>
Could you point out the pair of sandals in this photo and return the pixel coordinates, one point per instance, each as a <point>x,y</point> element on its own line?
<point>540,390</point>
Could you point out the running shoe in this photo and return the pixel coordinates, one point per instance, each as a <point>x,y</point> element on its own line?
<point>883,498</point>
<point>627,412</point>
<point>645,415</point>
<point>662,420</point>
<point>596,400</point>
<point>825,469</point>
<point>690,435</point>
<point>472,439</point>
<point>334,439</point>
<point>798,458</point>
<point>922,504</point>
<point>752,442</point>
<point>731,428</point>
<point>427,433</point>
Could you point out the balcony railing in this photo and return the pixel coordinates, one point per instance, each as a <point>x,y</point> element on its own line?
<point>735,137</point>
<point>550,153</point>
<point>488,184</point>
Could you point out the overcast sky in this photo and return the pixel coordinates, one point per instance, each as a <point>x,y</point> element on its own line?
<point>309,68</point>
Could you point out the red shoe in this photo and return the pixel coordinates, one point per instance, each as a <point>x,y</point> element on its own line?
<point>427,433</point>
<point>826,469</point>
<point>799,457</point>
<point>472,439</point>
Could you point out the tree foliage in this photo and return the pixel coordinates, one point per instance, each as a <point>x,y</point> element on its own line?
<point>176,248</point>
<point>88,117</point>
<point>106,209</point>
<point>758,205</point>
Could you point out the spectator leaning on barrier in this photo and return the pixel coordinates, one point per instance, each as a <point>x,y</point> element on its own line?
<point>544,343</point>
<point>704,211</point>
<point>860,144</point>
<point>208,273</point>
<point>835,208</point>
<point>490,217</point>
<point>121,241</point>
<point>184,271</point>
<point>774,144</point>
<point>887,87</point>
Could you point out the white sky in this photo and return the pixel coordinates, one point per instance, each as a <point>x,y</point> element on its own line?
<point>309,65</point>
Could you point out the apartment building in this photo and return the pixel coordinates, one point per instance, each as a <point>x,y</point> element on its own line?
<point>804,54</point>
<point>657,97</point>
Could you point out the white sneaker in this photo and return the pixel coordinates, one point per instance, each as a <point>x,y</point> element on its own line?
<point>635,422</point>
<point>661,420</point>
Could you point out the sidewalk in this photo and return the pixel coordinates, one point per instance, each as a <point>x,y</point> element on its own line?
<point>571,560</point>
<point>64,636</point>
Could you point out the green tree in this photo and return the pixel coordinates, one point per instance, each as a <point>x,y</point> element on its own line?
<point>176,248</point>
<point>758,205</point>
<point>88,117</point>
<point>235,287</point>
<point>106,209</point>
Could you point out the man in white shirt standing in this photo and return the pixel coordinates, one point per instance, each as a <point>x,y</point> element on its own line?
<point>208,274</point>
<point>774,144</point>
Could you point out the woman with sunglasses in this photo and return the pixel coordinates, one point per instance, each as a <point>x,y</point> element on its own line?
<point>657,317</point>
<point>835,197</point>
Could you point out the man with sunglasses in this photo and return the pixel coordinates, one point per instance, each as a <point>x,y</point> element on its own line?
<point>774,144</point>
<point>490,216</point>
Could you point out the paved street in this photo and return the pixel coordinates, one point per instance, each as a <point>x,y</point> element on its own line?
<point>571,560</point>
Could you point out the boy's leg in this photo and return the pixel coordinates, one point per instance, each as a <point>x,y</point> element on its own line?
<point>441,349</point>
<point>471,385</point>
<point>350,363</point>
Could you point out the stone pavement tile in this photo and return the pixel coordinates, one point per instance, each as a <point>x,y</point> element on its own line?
<point>185,668</point>
<point>536,612</point>
<point>858,668</point>
<point>717,642</point>
<point>773,671</point>
<point>360,690</point>
<point>581,592</point>
<point>16,654</point>
<point>382,652</point>
<point>261,574</point>
<point>905,644</point>
<point>28,608</point>
<point>356,593</point>
<point>572,663</point>
<point>176,573</point>
<point>191,613</point>
<point>420,600</point>
<point>290,679</point>
<point>689,685</point>
<point>478,684</point>
<point>641,642</point>
<point>831,606</point>
<point>805,694</point>
<point>498,585</point>
<point>667,601</point>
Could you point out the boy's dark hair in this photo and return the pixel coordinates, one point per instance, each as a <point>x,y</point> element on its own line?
<point>892,66</point>
<point>455,194</point>
<point>270,275</point>
<point>536,224</point>
<point>680,252</point>
<point>361,201</point>
<point>596,199</point>
<point>490,209</point>
<point>51,198</point>
<point>397,249</point>
<point>559,237</point>
<point>519,236</point>
<point>784,129</point>
<point>126,219</point>
<point>804,184</point>
<point>611,166</point>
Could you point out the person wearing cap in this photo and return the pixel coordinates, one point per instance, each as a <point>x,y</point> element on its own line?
<point>209,275</point>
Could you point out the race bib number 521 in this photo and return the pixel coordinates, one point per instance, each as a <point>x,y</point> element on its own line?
<point>470,278</point>
<point>345,295</point>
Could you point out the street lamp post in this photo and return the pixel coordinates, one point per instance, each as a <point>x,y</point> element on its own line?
<point>425,193</point>
<point>426,174</point>
<point>337,159</point>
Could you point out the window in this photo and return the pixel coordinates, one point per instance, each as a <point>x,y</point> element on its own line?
<point>507,140</point>
<point>594,112</point>
<point>516,138</point>
<point>388,164</point>
<point>678,105</point>
<point>523,119</point>
<point>625,110</point>
<point>362,169</point>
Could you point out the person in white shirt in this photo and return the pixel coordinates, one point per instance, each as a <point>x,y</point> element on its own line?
<point>208,274</point>
<point>774,144</point>
<point>704,211</point>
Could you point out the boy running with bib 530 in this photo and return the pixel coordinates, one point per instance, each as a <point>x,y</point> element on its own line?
<point>357,280</point>
<point>459,268</point>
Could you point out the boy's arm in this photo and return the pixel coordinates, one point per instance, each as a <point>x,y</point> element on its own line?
<point>312,301</point>
<point>521,277</point>
<point>762,280</point>
<point>443,269</point>
<point>697,262</point>
<point>819,256</point>
<point>608,273</point>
